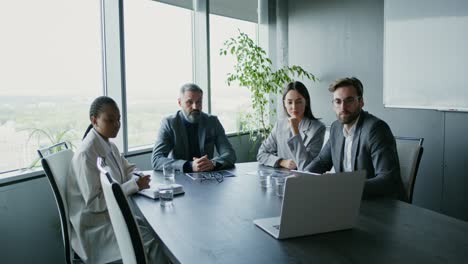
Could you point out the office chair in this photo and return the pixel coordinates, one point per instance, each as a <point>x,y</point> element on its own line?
<point>410,151</point>
<point>56,160</point>
<point>123,222</point>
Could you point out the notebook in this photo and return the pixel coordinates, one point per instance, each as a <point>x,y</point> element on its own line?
<point>153,193</point>
<point>316,204</point>
<point>209,174</point>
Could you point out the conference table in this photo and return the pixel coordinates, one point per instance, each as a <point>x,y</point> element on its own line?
<point>213,223</point>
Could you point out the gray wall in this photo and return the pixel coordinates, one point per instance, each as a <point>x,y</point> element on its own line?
<point>337,38</point>
<point>29,224</point>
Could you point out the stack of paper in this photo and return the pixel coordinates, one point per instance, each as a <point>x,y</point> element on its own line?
<point>153,191</point>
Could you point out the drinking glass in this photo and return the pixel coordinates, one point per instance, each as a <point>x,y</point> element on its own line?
<point>169,174</point>
<point>280,183</point>
<point>265,178</point>
<point>166,195</point>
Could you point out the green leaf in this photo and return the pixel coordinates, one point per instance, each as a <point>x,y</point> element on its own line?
<point>253,70</point>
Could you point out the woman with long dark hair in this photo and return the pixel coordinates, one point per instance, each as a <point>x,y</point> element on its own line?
<point>296,140</point>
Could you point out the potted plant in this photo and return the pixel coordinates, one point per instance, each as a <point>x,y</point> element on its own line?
<point>254,71</point>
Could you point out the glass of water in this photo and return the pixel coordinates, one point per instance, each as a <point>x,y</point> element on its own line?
<point>280,184</point>
<point>169,174</point>
<point>265,178</point>
<point>166,190</point>
<point>166,195</point>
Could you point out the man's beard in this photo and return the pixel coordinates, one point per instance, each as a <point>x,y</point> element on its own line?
<point>350,118</point>
<point>192,117</point>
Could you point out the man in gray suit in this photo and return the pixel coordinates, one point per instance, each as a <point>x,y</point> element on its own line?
<point>360,141</point>
<point>187,139</point>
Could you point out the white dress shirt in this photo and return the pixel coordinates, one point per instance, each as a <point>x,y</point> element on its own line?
<point>347,155</point>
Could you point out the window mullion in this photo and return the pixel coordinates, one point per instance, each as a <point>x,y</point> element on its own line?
<point>114,60</point>
<point>201,53</point>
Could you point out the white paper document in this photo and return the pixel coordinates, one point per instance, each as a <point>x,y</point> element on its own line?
<point>153,191</point>
<point>209,174</point>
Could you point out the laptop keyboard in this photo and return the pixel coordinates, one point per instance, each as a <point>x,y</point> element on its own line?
<point>276,226</point>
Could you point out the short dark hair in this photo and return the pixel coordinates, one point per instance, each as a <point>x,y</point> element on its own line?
<point>301,89</point>
<point>346,82</point>
<point>190,87</point>
<point>97,107</point>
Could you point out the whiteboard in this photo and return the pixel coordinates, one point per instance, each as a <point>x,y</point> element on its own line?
<point>426,54</point>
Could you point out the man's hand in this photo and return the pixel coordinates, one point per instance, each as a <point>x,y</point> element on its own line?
<point>143,182</point>
<point>202,164</point>
<point>288,164</point>
<point>294,124</point>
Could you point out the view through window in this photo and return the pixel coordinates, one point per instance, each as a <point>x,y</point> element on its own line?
<point>158,59</point>
<point>51,71</point>
<point>227,102</point>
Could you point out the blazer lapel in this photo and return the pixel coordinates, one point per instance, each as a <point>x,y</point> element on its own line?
<point>183,134</point>
<point>202,134</point>
<point>339,147</point>
<point>356,139</point>
<point>304,129</point>
<point>106,151</point>
<point>101,146</point>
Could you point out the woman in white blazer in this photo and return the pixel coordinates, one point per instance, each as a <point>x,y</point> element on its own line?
<point>92,236</point>
<point>276,150</point>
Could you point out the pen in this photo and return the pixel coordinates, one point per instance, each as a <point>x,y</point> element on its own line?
<point>138,174</point>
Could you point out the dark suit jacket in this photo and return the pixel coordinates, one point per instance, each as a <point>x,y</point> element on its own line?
<point>172,143</point>
<point>373,150</point>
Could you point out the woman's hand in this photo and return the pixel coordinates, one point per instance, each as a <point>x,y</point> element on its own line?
<point>294,124</point>
<point>288,164</point>
<point>143,182</point>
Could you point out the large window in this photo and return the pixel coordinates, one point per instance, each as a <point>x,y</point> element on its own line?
<point>158,59</point>
<point>51,71</point>
<point>227,102</point>
<point>51,65</point>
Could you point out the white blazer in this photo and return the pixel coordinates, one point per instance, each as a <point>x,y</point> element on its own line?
<point>92,236</point>
<point>281,144</point>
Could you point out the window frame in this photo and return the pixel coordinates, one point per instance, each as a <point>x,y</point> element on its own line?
<point>26,171</point>
<point>113,59</point>
<point>113,11</point>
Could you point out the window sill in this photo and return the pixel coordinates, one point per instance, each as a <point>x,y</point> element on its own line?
<point>20,175</point>
<point>12,177</point>
<point>149,148</point>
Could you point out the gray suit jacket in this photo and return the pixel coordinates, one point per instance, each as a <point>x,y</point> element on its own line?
<point>373,150</point>
<point>172,143</point>
<point>302,148</point>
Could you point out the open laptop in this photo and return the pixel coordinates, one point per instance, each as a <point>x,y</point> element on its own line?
<point>316,204</point>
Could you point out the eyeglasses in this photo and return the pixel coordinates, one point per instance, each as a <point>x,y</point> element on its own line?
<point>347,101</point>
<point>219,177</point>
